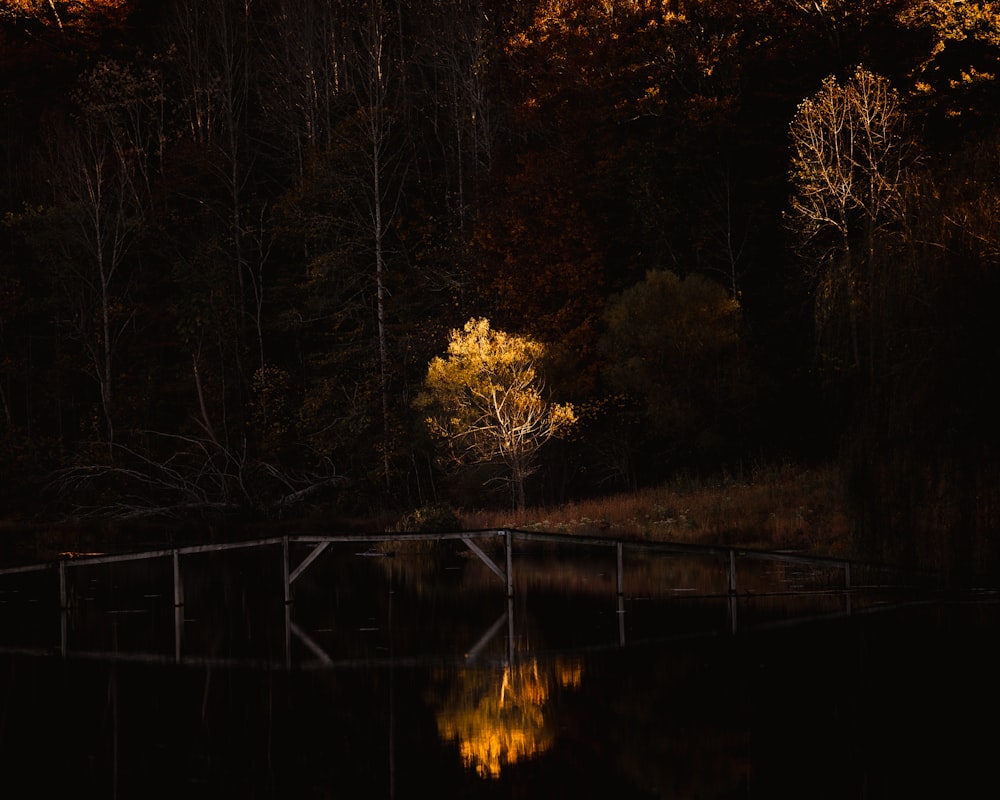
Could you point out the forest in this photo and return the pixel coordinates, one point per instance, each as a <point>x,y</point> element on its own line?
<point>235,233</point>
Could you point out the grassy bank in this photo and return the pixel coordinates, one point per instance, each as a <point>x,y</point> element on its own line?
<point>786,507</point>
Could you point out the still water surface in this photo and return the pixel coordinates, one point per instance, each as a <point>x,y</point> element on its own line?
<point>410,674</point>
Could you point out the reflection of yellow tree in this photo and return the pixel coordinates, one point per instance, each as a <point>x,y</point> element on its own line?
<point>498,719</point>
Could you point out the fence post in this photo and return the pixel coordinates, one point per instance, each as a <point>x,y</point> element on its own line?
<point>178,604</point>
<point>732,591</point>
<point>508,545</point>
<point>63,610</point>
<point>509,559</point>
<point>620,580</point>
<point>286,578</point>
<point>847,585</point>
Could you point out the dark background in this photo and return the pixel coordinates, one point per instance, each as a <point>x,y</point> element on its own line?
<point>235,234</point>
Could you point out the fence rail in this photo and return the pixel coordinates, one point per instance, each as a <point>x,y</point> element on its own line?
<point>504,552</point>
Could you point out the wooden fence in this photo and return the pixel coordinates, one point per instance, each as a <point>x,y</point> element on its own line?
<point>498,550</point>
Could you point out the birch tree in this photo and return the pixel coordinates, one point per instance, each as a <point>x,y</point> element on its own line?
<point>375,118</point>
<point>368,165</point>
<point>98,173</point>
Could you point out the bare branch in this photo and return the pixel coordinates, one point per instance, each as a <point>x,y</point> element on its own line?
<point>197,477</point>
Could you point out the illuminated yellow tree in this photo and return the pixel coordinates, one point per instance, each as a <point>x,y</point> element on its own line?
<point>485,402</point>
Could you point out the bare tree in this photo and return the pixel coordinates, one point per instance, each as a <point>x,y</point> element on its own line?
<point>851,152</point>
<point>98,169</point>
<point>456,43</point>
<point>303,58</point>
<point>211,44</point>
<point>372,139</point>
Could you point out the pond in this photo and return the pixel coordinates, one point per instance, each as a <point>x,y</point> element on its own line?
<point>404,670</point>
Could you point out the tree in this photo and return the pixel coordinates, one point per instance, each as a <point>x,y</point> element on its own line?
<point>211,52</point>
<point>454,74</point>
<point>98,173</point>
<point>380,191</point>
<point>485,402</point>
<point>920,456</point>
<point>621,117</point>
<point>671,345</point>
<point>304,59</point>
<point>851,152</point>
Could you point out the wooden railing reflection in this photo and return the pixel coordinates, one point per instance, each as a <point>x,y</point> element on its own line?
<point>645,575</point>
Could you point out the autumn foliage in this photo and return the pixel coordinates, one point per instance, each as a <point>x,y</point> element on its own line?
<point>486,402</point>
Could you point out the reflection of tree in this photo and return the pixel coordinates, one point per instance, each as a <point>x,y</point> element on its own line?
<point>498,718</point>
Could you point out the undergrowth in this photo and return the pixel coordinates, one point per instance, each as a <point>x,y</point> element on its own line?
<point>785,507</point>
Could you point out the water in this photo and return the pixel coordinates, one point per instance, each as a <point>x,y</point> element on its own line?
<point>411,675</point>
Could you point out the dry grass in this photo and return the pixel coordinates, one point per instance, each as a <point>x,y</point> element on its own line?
<point>776,508</point>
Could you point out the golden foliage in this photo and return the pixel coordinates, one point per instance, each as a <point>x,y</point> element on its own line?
<point>499,719</point>
<point>485,400</point>
<point>956,22</point>
<point>962,62</point>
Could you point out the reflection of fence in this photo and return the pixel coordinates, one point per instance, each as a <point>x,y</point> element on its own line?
<point>755,585</point>
<point>745,581</point>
